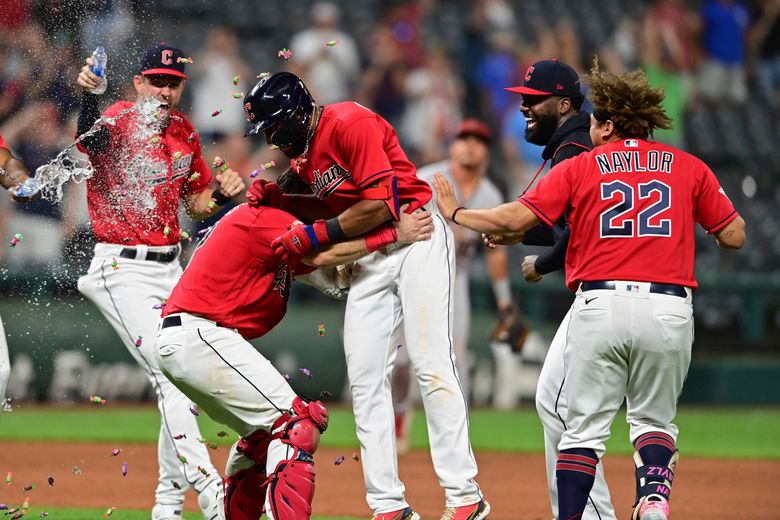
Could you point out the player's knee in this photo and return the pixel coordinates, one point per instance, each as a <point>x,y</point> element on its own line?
<point>304,428</point>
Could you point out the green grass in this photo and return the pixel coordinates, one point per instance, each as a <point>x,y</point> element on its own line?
<point>62,513</point>
<point>705,432</point>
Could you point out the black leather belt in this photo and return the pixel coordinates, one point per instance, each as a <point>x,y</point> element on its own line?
<point>658,288</point>
<point>152,256</point>
<point>175,321</point>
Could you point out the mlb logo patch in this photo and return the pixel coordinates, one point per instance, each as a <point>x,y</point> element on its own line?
<point>632,288</point>
<point>631,143</point>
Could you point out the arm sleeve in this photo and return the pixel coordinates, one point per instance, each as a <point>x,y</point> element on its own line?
<point>539,235</point>
<point>88,114</point>
<point>554,258</point>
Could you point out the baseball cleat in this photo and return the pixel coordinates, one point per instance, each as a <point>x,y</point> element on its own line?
<point>402,514</point>
<point>477,511</point>
<point>654,510</point>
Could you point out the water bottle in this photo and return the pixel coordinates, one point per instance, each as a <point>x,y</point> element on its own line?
<point>98,68</point>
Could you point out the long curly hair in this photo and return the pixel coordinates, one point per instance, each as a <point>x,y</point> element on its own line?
<point>633,106</point>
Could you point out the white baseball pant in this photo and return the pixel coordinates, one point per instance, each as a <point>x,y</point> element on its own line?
<point>409,288</point>
<point>5,366</point>
<point>126,296</point>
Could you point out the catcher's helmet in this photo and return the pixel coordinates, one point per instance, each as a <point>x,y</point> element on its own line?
<point>281,103</point>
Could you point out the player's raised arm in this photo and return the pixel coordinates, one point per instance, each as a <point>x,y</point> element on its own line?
<point>511,217</point>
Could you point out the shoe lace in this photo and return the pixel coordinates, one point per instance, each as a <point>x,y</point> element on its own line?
<point>448,514</point>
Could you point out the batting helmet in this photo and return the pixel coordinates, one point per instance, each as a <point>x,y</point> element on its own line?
<point>281,103</point>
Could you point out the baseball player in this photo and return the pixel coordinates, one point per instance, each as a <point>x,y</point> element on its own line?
<point>235,289</point>
<point>630,201</point>
<point>551,104</point>
<point>360,177</point>
<point>466,169</point>
<point>133,200</point>
<point>15,178</point>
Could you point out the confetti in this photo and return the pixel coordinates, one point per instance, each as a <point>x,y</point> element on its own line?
<point>339,460</point>
<point>194,409</point>
<point>263,167</point>
<point>97,399</point>
<point>3,507</point>
<point>44,514</point>
<point>178,119</point>
<point>115,452</point>
<point>287,377</point>
<point>236,80</point>
<point>25,504</point>
<point>160,305</point>
<point>167,230</point>
<point>109,511</point>
<point>184,60</point>
<point>325,394</point>
<point>180,437</point>
<point>212,204</point>
<point>222,434</point>
<point>16,239</point>
<point>76,470</point>
<point>195,176</point>
<point>321,329</point>
<point>114,264</point>
<point>332,43</point>
<point>193,135</point>
<point>9,478</point>
<point>124,469</point>
<point>204,472</point>
<point>285,54</point>
<point>212,445</point>
<point>273,147</point>
<point>263,75</point>
<point>216,113</point>
<point>238,95</point>
<point>139,341</point>
<point>175,484</point>
<point>182,459</point>
<point>176,155</point>
<point>306,372</point>
<point>355,457</point>
<point>154,140</point>
<point>28,487</point>
<point>50,480</point>
<point>184,235</point>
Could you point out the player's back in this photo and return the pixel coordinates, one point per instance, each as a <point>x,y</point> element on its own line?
<point>634,205</point>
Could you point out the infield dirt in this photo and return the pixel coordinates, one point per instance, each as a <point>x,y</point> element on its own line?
<point>513,483</point>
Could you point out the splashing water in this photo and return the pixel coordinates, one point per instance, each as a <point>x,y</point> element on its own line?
<point>51,177</point>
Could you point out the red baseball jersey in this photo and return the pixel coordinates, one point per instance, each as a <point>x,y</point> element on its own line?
<point>352,149</point>
<point>632,206</point>
<point>234,277</point>
<point>2,143</point>
<point>139,179</point>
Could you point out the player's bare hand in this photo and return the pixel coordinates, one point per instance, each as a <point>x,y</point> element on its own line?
<point>445,196</point>
<point>414,227</point>
<point>87,79</point>
<point>506,239</point>
<point>529,269</point>
<point>230,183</point>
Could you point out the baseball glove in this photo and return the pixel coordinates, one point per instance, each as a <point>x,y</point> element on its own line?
<point>511,328</point>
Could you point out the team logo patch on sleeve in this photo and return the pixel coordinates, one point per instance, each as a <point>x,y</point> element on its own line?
<point>326,182</point>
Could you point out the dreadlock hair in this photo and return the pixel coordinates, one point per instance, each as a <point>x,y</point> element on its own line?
<point>289,183</point>
<point>628,100</point>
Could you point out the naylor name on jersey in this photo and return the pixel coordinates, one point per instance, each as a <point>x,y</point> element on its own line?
<point>635,161</point>
<point>326,183</point>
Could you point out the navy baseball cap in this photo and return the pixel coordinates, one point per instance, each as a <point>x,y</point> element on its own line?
<point>549,78</point>
<point>163,59</point>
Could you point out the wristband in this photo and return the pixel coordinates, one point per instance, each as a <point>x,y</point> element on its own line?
<point>219,198</point>
<point>502,292</point>
<point>452,218</point>
<point>335,233</point>
<point>380,237</point>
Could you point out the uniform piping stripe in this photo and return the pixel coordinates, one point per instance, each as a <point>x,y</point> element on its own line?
<point>449,335</point>
<point>568,457</point>
<point>539,213</point>
<point>722,223</point>
<point>576,468</point>
<point>373,177</point>
<point>155,383</point>
<point>239,372</point>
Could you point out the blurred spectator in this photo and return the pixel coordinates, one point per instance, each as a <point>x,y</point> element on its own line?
<point>765,39</point>
<point>382,84</point>
<point>217,63</point>
<point>498,70</point>
<point>331,72</point>
<point>433,97</point>
<point>721,76</point>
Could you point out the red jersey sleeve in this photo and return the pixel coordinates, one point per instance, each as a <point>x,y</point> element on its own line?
<point>362,145</point>
<point>551,196</point>
<point>200,166</point>
<point>714,210</point>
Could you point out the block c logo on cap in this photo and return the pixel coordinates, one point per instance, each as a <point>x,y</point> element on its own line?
<point>167,57</point>
<point>528,73</point>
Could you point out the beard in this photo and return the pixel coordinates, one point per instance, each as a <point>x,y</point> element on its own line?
<point>546,124</point>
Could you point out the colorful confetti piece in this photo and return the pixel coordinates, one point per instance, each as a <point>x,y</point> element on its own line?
<point>332,43</point>
<point>114,264</point>
<point>139,341</point>
<point>306,372</point>
<point>167,230</point>
<point>115,452</point>
<point>285,54</point>
<point>16,239</point>
<point>216,113</point>
<point>194,409</point>
<point>339,460</point>
<point>124,469</point>
<point>50,480</point>
<point>96,399</point>
<point>321,329</point>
